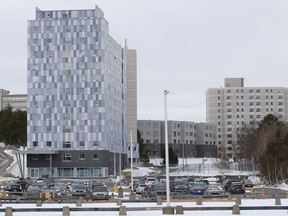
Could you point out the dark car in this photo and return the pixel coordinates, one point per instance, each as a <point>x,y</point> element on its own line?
<point>78,189</point>
<point>179,186</point>
<point>13,188</point>
<point>237,188</point>
<point>99,192</point>
<point>158,190</point>
<point>228,183</point>
<point>198,189</point>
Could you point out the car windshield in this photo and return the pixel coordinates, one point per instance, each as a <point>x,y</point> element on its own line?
<point>160,187</point>
<point>99,189</point>
<point>78,186</point>
<point>179,183</point>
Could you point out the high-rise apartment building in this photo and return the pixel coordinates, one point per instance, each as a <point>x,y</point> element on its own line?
<point>234,106</point>
<point>188,139</point>
<point>77,95</point>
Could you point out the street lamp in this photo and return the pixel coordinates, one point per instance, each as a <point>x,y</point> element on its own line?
<point>131,153</point>
<point>166,150</point>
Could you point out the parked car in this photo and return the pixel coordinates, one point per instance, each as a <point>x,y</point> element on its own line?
<point>179,186</point>
<point>248,183</point>
<point>237,188</point>
<point>150,180</point>
<point>158,190</point>
<point>13,188</point>
<point>99,192</point>
<point>198,189</point>
<point>228,183</point>
<point>78,189</point>
<point>140,188</point>
<point>215,188</point>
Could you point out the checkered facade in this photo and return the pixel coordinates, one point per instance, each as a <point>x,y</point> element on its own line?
<point>76,83</point>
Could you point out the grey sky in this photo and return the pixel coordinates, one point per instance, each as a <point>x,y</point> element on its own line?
<point>183,46</point>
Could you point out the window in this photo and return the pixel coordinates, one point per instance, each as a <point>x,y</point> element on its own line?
<point>35,129</point>
<point>34,157</point>
<point>35,144</point>
<point>35,29</point>
<point>82,157</point>
<point>67,103</point>
<point>95,143</point>
<point>67,116</point>
<point>82,27</point>
<point>66,144</point>
<point>82,40</point>
<point>67,54</point>
<point>48,143</point>
<point>67,129</point>
<point>67,28</point>
<point>95,156</point>
<point>67,41</point>
<point>67,157</point>
<point>82,144</point>
<point>49,28</point>
<point>48,41</point>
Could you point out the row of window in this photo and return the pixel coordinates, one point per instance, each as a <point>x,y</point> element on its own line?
<point>75,28</point>
<point>252,97</point>
<point>67,157</point>
<point>67,144</point>
<point>256,110</point>
<point>66,54</point>
<point>253,91</point>
<point>66,129</point>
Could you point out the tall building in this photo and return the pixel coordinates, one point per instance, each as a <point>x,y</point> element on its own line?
<point>234,106</point>
<point>77,95</point>
<point>188,139</point>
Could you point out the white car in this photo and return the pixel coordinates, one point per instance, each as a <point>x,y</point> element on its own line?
<point>140,188</point>
<point>150,181</point>
<point>215,188</point>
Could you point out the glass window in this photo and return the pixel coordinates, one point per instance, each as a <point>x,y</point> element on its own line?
<point>82,157</point>
<point>95,156</point>
<point>67,144</point>
<point>67,157</point>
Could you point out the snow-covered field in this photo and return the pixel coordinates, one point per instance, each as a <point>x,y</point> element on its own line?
<point>267,202</point>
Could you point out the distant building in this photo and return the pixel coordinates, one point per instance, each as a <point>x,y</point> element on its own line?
<point>80,85</point>
<point>234,106</point>
<point>188,139</point>
<point>16,101</point>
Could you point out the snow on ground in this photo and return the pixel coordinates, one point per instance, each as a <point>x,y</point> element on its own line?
<point>245,202</point>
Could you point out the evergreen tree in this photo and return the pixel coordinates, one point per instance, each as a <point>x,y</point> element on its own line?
<point>13,126</point>
<point>143,154</point>
<point>173,158</point>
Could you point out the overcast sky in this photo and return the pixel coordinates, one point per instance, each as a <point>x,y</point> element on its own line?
<point>184,46</point>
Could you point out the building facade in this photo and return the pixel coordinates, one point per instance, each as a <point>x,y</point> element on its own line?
<point>77,95</point>
<point>235,106</point>
<point>188,139</point>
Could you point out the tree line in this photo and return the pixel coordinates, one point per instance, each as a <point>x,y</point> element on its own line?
<point>265,145</point>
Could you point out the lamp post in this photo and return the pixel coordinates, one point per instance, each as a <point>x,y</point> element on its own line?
<point>166,150</point>
<point>183,155</point>
<point>131,153</point>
